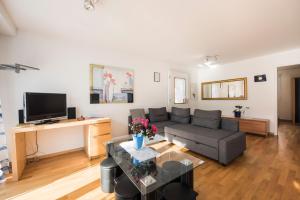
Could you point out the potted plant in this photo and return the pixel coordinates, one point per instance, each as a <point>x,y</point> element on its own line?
<point>141,128</point>
<point>239,111</point>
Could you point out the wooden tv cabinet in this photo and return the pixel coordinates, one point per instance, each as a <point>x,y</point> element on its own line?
<point>253,125</point>
<point>96,132</point>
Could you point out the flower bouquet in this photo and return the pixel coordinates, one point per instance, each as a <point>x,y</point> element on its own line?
<point>141,128</point>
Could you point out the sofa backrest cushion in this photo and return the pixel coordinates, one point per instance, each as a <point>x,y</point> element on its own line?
<point>208,119</point>
<point>139,112</point>
<point>181,115</point>
<point>230,124</point>
<point>158,114</point>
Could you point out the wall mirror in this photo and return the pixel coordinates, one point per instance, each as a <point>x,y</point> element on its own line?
<point>180,90</point>
<point>231,89</point>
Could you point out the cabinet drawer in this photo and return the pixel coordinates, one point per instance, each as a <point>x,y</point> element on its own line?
<point>100,129</point>
<point>98,144</point>
<point>259,127</point>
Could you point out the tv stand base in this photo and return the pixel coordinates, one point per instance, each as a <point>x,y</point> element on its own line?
<point>50,121</point>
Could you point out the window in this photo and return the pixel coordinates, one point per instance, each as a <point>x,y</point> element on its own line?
<point>180,90</point>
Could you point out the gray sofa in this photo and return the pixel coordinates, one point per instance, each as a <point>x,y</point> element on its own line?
<point>206,132</point>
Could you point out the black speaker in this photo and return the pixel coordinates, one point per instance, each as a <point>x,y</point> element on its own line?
<point>94,98</point>
<point>21,116</point>
<point>72,113</point>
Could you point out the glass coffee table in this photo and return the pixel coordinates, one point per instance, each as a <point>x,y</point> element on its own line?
<point>150,174</point>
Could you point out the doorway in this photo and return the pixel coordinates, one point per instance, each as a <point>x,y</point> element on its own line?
<point>296,101</point>
<point>288,91</point>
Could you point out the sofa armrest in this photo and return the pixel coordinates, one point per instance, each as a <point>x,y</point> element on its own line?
<point>232,147</point>
<point>230,124</point>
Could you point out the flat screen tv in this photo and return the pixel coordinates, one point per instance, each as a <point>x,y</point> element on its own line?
<point>43,106</point>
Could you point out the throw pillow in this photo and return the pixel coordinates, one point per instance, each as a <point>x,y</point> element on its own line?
<point>135,113</point>
<point>181,115</point>
<point>208,119</point>
<point>158,114</point>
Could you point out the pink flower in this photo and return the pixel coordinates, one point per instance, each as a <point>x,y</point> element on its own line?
<point>105,75</point>
<point>154,128</point>
<point>128,74</point>
<point>136,120</point>
<point>145,123</point>
<point>140,120</point>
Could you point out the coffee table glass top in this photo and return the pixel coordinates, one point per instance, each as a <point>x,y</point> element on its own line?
<point>170,163</point>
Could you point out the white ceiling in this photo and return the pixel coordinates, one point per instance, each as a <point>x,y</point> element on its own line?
<point>179,31</point>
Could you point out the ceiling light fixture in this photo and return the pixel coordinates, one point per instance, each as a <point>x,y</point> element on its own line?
<point>90,4</point>
<point>211,60</point>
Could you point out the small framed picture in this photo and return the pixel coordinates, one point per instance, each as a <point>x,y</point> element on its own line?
<point>260,78</point>
<point>156,77</point>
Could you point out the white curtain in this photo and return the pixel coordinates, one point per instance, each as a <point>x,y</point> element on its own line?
<point>4,163</point>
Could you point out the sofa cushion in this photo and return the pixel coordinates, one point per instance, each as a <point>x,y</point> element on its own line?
<point>207,136</point>
<point>161,125</point>
<point>135,113</point>
<point>181,115</point>
<point>208,119</point>
<point>158,114</point>
<point>230,124</point>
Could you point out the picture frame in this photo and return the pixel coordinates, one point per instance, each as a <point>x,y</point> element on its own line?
<point>110,84</point>
<point>156,77</point>
<point>230,89</point>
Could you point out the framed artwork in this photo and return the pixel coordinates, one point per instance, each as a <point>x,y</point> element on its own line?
<point>111,84</point>
<point>260,78</point>
<point>156,77</point>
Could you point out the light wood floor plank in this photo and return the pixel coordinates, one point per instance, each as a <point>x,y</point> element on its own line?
<point>269,169</point>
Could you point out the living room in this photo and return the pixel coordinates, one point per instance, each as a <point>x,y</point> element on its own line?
<point>159,42</point>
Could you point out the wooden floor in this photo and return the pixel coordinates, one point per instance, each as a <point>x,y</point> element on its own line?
<point>269,169</point>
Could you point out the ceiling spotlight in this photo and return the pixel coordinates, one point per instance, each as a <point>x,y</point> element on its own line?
<point>90,4</point>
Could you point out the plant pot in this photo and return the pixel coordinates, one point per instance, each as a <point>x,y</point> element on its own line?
<point>237,114</point>
<point>138,140</point>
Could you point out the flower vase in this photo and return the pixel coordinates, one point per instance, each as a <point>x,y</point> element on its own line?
<point>138,141</point>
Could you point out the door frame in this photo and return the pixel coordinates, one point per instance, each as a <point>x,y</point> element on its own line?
<point>293,94</point>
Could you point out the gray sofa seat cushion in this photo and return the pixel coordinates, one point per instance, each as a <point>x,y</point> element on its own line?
<point>207,136</point>
<point>181,115</point>
<point>208,119</point>
<point>161,125</point>
<point>139,112</point>
<point>158,114</point>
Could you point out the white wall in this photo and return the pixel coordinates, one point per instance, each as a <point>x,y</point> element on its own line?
<point>285,77</point>
<point>65,68</point>
<point>262,96</point>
